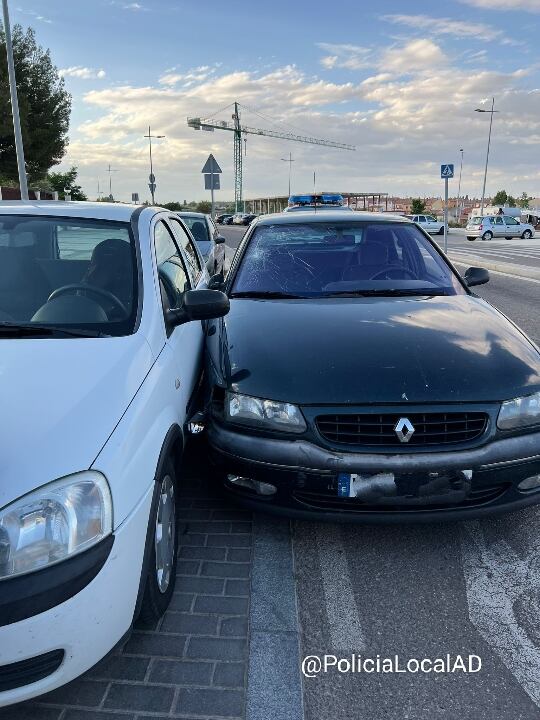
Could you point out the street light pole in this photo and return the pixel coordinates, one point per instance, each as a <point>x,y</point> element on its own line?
<point>480,110</point>
<point>152,183</point>
<point>23,183</point>
<point>290,161</point>
<point>459,187</point>
<point>110,171</point>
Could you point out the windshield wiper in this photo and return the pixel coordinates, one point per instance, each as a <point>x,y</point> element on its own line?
<point>390,292</point>
<point>36,330</point>
<point>267,294</point>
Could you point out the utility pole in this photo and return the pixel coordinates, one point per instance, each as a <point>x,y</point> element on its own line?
<point>481,110</point>
<point>110,171</point>
<point>290,161</point>
<point>458,218</point>
<point>152,177</point>
<point>23,182</point>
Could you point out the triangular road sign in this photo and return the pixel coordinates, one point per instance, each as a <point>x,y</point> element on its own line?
<point>447,171</point>
<point>211,166</point>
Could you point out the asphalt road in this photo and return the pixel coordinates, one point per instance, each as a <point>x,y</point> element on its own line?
<point>424,592</point>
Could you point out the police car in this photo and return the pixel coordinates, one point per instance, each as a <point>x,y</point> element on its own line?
<point>325,201</point>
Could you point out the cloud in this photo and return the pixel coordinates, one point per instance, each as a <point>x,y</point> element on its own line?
<point>37,16</point>
<point>446,26</point>
<point>83,73</point>
<point>351,57</point>
<point>528,5</point>
<point>417,55</point>
<point>188,78</point>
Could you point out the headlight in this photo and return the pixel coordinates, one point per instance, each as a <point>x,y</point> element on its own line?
<point>268,414</point>
<point>519,413</point>
<point>53,523</point>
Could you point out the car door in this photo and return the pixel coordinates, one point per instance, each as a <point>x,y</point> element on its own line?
<point>432,225</point>
<point>184,341</point>
<point>498,228</point>
<point>512,226</point>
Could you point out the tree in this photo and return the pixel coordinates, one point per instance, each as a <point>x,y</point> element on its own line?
<point>44,104</point>
<point>204,207</point>
<point>501,198</point>
<point>173,206</point>
<point>418,206</point>
<point>523,201</point>
<point>66,181</point>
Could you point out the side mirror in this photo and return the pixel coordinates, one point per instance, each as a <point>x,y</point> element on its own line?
<point>219,239</point>
<point>199,305</point>
<point>476,276</point>
<point>216,282</point>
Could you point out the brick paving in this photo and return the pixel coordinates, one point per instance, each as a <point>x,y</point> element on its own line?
<point>193,663</point>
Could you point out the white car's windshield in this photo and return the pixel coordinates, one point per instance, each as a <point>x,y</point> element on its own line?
<point>71,273</point>
<point>339,258</point>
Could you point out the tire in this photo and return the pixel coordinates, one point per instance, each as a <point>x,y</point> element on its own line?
<point>527,235</point>
<point>161,577</point>
<point>441,231</point>
<point>488,235</point>
<point>507,238</point>
<point>472,239</point>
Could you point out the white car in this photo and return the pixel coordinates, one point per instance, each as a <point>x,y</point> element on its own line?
<point>428,223</point>
<point>490,226</point>
<point>99,370</point>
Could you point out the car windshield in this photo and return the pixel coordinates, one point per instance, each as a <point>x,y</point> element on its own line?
<point>342,258</point>
<point>198,228</point>
<point>66,273</point>
<point>475,221</point>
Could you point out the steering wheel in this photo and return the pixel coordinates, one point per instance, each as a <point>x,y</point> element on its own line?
<point>394,268</point>
<point>91,289</point>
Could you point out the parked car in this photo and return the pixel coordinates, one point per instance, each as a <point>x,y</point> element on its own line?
<point>208,238</point>
<point>249,218</point>
<point>358,377</point>
<point>222,219</point>
<point>101,365</point>
<point>238,219</point>
<point>490,226</point>
<point>428,223</point>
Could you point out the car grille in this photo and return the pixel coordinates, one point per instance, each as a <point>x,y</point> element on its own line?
<point>25,672</point>
<point>378,429</point>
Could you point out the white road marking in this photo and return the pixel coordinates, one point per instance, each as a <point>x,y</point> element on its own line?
<point>346,633</point>
<point>499,581</point>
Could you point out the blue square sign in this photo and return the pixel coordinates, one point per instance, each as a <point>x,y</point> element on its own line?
<point>447,171</point>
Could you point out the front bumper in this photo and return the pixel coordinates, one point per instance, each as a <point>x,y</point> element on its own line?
<point>306,477</point>
<point>84,627</point>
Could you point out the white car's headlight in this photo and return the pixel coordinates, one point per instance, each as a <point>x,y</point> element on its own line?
<point>268,414</point>
<point>54,522</point>
<point>520,412</point>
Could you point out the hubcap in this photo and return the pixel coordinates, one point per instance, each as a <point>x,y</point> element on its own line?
<point>165,536</point>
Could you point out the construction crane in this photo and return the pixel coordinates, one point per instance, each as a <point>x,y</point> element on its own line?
<point>210,124</point>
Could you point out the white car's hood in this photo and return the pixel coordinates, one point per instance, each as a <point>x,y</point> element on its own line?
<point>61,399</point>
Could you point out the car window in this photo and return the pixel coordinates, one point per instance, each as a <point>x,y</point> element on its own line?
<point>186,243</point>
<point>430,218</point>
<point>421,219</point>
<point>510,220</point>
<point>198,228</point>
<point>499,221</point>
<point>80,273</point>
<point>173,278</point>
<point>318,258</point>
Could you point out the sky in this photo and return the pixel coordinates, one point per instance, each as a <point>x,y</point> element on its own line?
<point>399,80</point>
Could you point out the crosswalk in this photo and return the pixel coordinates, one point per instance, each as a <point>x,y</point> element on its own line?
<point>515,252</point>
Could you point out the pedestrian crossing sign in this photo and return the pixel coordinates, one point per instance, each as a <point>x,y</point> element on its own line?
<point>447,171</point>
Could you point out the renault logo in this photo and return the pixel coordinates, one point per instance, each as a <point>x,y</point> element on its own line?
<point>404,430</point>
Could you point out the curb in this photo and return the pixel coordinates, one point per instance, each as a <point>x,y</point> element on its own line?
<point>508,268</point>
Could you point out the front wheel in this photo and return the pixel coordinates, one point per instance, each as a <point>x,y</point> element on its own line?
<point>472,239</point>
<point>487,235</point>
<point>161,576</point>
<point>441,231</point>
<point>527,235</point>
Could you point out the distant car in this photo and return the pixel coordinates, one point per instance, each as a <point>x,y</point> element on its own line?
<point>248,219</point>
<point>428,223</point>
<point>490,226</point>
<point>221,219</point>
<point>238,219</point>
<point>209,241</point>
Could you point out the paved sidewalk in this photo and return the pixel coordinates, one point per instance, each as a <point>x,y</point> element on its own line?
<point>193,664</point>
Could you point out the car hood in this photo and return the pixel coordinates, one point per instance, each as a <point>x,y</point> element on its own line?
<point>61,399</point>
<point>375,350</point>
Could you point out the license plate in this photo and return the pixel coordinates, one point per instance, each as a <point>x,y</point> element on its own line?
<point>387,485</point>
<point>349,484</point>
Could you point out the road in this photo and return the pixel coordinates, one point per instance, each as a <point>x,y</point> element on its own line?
<point>256,594</point>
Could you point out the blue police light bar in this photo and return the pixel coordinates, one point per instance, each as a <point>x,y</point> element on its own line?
<point>325,199</point>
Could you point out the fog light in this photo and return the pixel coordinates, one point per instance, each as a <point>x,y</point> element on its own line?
<point>530,483</point>
<point>261,488</point>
